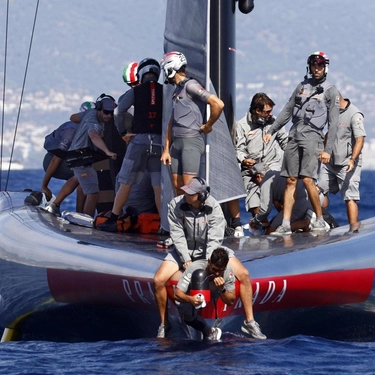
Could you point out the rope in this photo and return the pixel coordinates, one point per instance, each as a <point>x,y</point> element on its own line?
<point>22,92</point>
<point>4,82</point>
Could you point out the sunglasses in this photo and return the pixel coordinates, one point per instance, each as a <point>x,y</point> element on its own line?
<point>216,269</point>
<point>106,112</point>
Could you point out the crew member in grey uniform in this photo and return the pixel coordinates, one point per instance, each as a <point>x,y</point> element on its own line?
<point>54,166</point>
<point>221,284</point>
<point>272,188</point>
<point>89,134</point>
<point>250,148</point>
<point>184,143</point>
<point>343,172</point>
<point>313,104</point>
<point>144,148</point>
<point>197,225</point>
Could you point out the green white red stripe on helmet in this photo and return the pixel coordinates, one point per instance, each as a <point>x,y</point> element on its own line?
<point>129,73</point>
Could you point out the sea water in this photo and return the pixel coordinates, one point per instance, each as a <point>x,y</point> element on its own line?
<point>232,355</point>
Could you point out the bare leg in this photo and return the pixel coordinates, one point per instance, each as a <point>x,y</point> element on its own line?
<point>352,211</point>
<point>157,193</point>
<point>234,209</point>
<point>313,194</point>
<point>289,197</point>
<point>90,204</point>
<point>67,189</point>
<point>121,198</point>
<point>246,291</point>
<point>80,200</point>
<point>162,275</point>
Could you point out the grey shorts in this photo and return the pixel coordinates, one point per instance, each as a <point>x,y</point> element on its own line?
<point>139,157</point>
<point>63,172</point>
<point>174,257</point>
<point>88,179</point>
<point>186,155</point>
<point>334,178</point>
<point>301,159</point>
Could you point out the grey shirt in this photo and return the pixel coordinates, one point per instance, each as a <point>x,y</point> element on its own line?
<point>189,106</point>
<point>185,281</point>
<point>89,122</point>
<point>310,110</point>
<point>351,126</point>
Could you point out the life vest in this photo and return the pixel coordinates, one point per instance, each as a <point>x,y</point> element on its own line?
<point>148,108</point>
<point>310,104</point>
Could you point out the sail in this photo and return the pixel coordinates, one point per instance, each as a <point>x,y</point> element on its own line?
<point>187,31</point>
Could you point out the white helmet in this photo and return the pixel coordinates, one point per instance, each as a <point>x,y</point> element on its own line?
<point>318,57</point>
<point>171,63</point>
<point>148,65</point>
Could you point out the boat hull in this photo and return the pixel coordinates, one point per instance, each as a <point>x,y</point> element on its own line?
<point>61,281</point>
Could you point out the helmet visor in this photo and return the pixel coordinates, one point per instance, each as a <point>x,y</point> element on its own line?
<point>317,60</point>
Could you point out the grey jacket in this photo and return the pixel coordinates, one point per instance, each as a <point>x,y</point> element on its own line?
<point>196,235</point>
<point>249,143</point>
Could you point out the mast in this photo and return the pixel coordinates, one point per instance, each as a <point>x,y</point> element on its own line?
<point>222,51</point>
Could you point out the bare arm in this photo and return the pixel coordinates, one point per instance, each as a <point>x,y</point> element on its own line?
<point>75,118</point>
<point>357,149</point>
<point>99,143</point>
<point>166,157</point>
<point>216,107</point>
<point>52,168</point>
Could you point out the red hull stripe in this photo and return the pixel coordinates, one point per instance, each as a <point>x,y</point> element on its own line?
<point>271,293</point>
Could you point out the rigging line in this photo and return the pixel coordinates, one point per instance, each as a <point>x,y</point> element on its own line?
<point>4,83</point>
<point>23,89</point>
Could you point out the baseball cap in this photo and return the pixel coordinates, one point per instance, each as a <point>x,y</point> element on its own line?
<point>108,104</point>
<point>194,186</point>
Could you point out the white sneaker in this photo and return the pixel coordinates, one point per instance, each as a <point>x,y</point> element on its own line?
<point>281,231</point>
<point>310,214</point>
<point>238,232</point>
<point>252,328</point>
<point>215,335</point>
<point>320,226</point>
<point>53,209</point>
<point>163,331</point>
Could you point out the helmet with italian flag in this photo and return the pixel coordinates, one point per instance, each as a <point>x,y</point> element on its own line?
<point>129,73</point>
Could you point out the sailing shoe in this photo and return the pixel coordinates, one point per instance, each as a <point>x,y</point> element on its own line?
<point>108,226</point>
<point>252,328</point>
<point>238,232</point>
<point>163,331</point>
<point>281,231</point>
<point>310,214</point>
<point>320,226</point>
<point>53,209</point>
<point>165,244</point>
<point>214,335</point>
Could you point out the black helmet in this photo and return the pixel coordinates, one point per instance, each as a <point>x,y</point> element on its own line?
<point>148,65</point>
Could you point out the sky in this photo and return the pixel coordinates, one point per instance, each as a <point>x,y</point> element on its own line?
<point>80,48</point>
